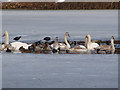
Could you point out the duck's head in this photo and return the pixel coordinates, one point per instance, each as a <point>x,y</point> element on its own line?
<point>67,34</point>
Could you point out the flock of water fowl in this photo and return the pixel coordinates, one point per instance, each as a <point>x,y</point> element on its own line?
<point>57,47</point>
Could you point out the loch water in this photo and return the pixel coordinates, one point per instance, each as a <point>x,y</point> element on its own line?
<point>21,70</point>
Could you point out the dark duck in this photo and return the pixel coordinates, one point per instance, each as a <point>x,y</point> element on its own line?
<point>17,38</point>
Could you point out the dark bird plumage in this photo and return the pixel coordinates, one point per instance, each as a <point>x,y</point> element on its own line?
<point>40,42</point>
<point>17,38</point>
<point>8,50</point>
<point>51,42</point>
<point>23,50</point>
<point>107,42</point>
<point>31,48</point>
<point>47,38</point>
<point>54,51</point>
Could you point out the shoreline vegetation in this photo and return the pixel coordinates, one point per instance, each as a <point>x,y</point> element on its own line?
<point>60,6</point>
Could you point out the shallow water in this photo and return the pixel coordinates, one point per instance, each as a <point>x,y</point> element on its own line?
<point>60,70</point>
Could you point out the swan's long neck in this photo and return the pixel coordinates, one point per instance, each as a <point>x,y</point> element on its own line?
<point>112,44</point>
<point>68,45</point>
<point>56,44</point>
<point>86,42</point>
<point>7,38</point>
<point>89,39</point>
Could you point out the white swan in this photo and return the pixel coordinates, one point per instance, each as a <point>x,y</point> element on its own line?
<point>80,48</point>
<point>15,45</point>
<point>90,45</point>
<point>6,45</point>
<point>63,46</point>
<point>106,48</point>
<point>55,45</point>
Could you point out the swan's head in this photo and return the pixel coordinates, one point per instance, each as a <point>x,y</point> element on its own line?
<point>88,36</point>
<point>112,38</point>
<point>6,33</point>
<point>67,34</point>
<point>56,38</point>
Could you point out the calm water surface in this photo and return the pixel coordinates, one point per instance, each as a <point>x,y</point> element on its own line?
<point>71,71</point>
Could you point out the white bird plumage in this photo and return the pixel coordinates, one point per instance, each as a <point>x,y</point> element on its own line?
<point>66,45</point>
<point>63,46</point>
<point>88,47</point>
<point>55,45</point>
<point>91,45</point>
<point>79,48</point>
<point>15,45</point>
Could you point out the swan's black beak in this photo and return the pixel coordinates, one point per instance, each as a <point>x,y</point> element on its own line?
<point>3,35</point>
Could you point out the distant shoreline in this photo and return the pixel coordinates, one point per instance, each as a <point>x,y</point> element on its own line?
<point>60,6</point>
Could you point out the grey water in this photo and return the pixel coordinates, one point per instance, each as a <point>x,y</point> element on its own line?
<point>59,70</point>
<point>35,25</point>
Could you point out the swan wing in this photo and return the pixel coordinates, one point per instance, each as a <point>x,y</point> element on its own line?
<point>17,45</point>
<point>62,45</point>
<point>78,47</point>
<point>82,46</point>
<point>92,46</point>
<point>52,46</point>
<point>81,50</point>
<point>104,47</point>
